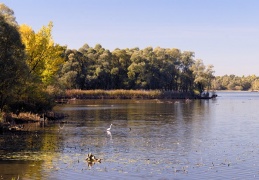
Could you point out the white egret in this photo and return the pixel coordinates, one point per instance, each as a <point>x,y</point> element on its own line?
<point>109,134</point>
<point>109,128</point>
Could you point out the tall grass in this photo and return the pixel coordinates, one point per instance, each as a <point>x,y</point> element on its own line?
<point>125,94</point>
<point>112,94</point>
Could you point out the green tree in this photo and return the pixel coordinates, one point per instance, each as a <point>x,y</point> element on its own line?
<point>120,63</point>
<point>159,68</point>
<point>73,71</point>
<point>13,69</point>
<point>137,71</point>
<point>255,84</point>
<point>202,76</point>
<point>186,79</point>
<point>8,15</point>
<point>103,70</point>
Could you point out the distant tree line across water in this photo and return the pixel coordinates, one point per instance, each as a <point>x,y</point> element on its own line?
<point>159,68</point>
<point>34,69</point>
<point>233,82</point>
<point>149,69</point>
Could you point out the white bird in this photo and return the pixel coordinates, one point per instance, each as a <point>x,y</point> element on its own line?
<point>109,128</point>
<point>109,134</point>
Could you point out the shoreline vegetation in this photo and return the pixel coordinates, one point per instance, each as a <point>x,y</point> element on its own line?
<point>121,94</point>
<point>14,122</point>
<point>131,94</point>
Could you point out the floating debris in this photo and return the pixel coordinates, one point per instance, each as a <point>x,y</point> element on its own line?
<point>91,160</point>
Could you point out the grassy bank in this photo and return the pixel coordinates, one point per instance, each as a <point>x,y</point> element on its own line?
<point>126,94</point>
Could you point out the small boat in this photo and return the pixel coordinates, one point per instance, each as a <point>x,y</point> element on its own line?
<point>208,97</point>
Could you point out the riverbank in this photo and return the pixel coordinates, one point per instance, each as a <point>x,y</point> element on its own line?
<point>14,122</point>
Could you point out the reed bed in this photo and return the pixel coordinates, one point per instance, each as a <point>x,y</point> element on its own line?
<point>125,94</point>
<point>112,94</point>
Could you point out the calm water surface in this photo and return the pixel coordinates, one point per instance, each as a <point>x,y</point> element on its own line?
<point>150,139</point>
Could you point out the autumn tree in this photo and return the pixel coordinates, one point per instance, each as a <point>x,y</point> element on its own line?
<point>23,83</point>
<point>43,56</point>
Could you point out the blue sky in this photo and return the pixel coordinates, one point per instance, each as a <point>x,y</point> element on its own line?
<point>224,33</point>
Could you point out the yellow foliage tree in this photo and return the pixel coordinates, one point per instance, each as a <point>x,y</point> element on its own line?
<point>43,56</point>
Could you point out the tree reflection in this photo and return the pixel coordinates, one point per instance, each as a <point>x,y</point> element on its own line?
<point>25,154</point>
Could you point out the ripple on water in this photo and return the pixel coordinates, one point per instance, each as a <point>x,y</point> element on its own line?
<point>199,140</point>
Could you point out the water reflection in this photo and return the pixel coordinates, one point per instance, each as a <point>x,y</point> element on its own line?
<point>150,139</point>
<point>109,134</point>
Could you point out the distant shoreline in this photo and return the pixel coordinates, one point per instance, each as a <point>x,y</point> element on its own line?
<point>236,91</point>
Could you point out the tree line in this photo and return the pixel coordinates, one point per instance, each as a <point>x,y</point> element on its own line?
<point>158,68</point>
<point>34,69</point>
<point>233,82</point>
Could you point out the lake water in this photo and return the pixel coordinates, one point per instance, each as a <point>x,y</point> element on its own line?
<point>149,139</point>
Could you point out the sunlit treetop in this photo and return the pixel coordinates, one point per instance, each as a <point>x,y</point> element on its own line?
<point>8,14</point>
